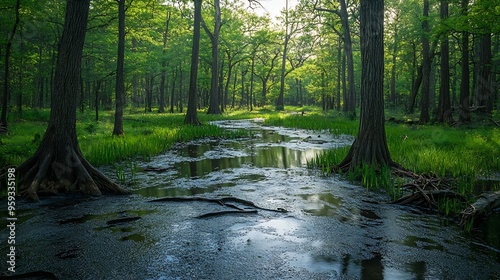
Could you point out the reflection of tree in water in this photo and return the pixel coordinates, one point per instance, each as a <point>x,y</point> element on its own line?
<point>372,268</point>
<point>192,151</point>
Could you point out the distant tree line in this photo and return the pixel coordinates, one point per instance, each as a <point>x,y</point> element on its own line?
<point>441,57</point>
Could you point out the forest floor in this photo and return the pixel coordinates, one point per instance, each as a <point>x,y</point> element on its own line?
<point>275,218</point>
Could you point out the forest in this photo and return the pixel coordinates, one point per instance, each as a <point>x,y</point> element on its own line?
<point>252,105</point>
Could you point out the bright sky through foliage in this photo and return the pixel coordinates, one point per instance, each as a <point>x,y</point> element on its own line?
<point>273,7</point>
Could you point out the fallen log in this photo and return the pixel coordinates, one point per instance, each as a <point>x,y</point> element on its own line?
<point>485,204</point>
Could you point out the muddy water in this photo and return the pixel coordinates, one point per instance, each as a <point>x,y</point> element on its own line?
<point>332,230</point>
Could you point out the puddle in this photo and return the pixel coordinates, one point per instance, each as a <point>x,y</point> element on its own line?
<point>332,230</point>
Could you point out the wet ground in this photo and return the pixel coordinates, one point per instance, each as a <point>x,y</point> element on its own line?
<point>332,230</point>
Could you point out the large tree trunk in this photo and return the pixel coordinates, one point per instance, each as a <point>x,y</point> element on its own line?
<point>444,105</point>
<point>192,114</point>
<point>426,66</point>
<point>370,146</point>
<point>120,84</point>
<point>6,89</point>
<point>58,164</point>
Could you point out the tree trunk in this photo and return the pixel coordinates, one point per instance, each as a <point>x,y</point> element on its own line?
<point>339,73</point>
<point>280,103</point>
<point>192,113</point>
<point>393,67</point>
<point>370,146</point>
<point>484,87</point>
<point>161,107</point>
<point>214,108</point>
<point>6,89</point>
<point>120,84</point>
<point>58,164</point>
<point>465,80</point>
<point>351,94</point>
<point>426,66</point>
<point>172,93</point>
<point>444,105</point>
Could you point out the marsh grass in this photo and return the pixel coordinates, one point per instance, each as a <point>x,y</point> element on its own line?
<point>463,153</point>
<point>146,135</point>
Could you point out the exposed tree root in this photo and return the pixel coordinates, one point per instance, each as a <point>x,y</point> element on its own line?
<point>53,172</point>
<point>223,213</point>
<point>223,202</point>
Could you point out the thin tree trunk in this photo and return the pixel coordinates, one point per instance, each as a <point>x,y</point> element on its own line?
<point>214,108</point>
<point>172,93</point>
<point>120,84</point>
<point>444,104</point>
<point>351,95</point>
<point>426,66</point>
<point>339,73</point>
<point>161,107</point>
<point>465,79</point>
<point>6,89</point>
<point>393,67</point>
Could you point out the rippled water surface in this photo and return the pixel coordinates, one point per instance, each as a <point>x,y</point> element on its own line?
<point>332,230</point>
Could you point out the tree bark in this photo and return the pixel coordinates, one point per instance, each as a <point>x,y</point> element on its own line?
<point>370,146</point>
<point>58,164</point>
<point>120,84</point>
<point>192,113</point>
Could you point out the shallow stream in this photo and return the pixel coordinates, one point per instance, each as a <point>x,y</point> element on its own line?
<point>332,230</point>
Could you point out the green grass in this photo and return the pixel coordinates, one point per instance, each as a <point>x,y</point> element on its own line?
<point>146,135</point>
<point>458,152</point>
<point>463,153</point>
